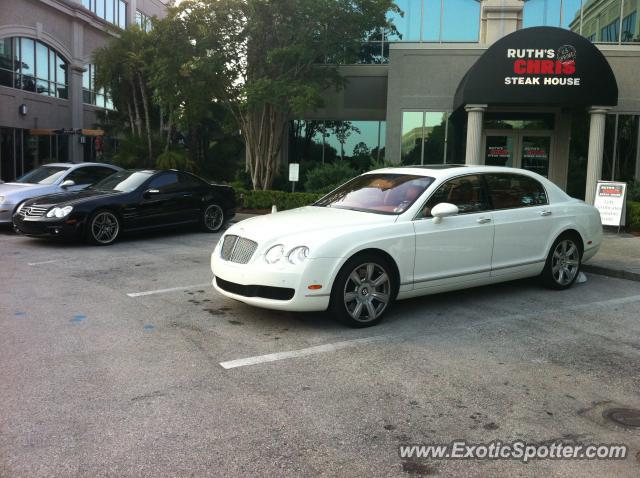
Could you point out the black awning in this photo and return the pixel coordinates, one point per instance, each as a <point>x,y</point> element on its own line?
<point>539,66</point>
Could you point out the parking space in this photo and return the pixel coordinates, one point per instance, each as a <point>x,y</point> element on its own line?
<point>123,360</point>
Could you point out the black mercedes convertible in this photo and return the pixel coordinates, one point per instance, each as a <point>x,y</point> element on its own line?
<point>128,201</point>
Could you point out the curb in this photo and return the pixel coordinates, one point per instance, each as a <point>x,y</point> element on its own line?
<point>617,273</point>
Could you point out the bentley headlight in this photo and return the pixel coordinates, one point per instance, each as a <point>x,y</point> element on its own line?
<point>298,255</point>
<point>275,254</point>
<point>60,212</point>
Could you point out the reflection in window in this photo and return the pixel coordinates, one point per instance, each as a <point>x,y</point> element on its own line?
<point>620,148</point>
<point>437,21</point>
<point>607,21</point>
<point>609,33</point>
<point>143,21</point>
<point>112,11</point>
<point>91,95</point>
<point>31,65</point>
<point>424,137</point>
<point>361,143</point>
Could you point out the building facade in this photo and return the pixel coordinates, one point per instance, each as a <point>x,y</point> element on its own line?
<point>407,99</point>
<point>48,102</point>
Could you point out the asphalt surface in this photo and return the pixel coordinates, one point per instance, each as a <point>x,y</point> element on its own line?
<point>94,382</point>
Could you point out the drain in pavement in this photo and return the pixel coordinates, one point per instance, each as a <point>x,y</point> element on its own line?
<point>627,417</point>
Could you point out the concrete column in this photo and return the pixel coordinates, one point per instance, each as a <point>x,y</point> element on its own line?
<point>499,18</point>
<point>475,115</point>
<point>77,110</point>
<point>596,150</point>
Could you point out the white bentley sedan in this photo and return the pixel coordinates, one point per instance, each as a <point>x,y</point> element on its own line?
<point>403,232</point>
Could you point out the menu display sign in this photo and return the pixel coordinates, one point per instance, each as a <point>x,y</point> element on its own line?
<point>611,202</point>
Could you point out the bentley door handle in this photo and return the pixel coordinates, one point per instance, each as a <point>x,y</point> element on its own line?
<point>546,212</point>
<point>483,220</point>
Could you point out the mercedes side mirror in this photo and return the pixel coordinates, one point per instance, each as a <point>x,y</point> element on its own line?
<point>67,183</point>
<point>151,192</point>
<point>443,209</point>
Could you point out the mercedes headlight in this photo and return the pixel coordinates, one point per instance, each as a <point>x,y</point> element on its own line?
<point>298,255</point>
<point>275,254</point>
<point>60,212</point>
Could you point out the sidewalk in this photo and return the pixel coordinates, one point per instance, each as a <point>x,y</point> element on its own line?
<point>619,256</point>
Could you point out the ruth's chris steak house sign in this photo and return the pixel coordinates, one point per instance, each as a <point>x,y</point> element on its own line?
<point>543,67</point>
<point>539,66</point>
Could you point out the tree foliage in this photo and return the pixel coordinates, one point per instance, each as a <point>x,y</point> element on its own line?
<point>224,65</point>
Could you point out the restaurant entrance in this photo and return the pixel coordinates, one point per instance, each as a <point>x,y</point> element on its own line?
<point>519,149</point>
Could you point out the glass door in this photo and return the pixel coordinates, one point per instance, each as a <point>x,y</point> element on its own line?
<point>535,152</point>
<point>500,149</point>
<point>519,149</point>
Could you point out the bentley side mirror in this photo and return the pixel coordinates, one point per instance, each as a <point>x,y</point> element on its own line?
<point>67,183</point>
<point>443,209</point>
<point>151,192</point>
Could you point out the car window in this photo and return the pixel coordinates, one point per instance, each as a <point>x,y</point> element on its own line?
<point>187,181</point>
<point>466,192</point>
<point>508,191</point>
<point>43,175</point>
<point>89,174</point>
<point>383,193</point>
<point>165,182</point>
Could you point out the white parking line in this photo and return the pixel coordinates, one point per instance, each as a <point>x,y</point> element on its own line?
<point>408,334</point>
<point>43,262</point>
<point>172,289</point>
<point>318,349</point>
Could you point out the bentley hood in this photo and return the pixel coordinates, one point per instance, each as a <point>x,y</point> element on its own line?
<point>306,225</point>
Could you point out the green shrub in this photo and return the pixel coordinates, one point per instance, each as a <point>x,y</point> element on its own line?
<point>633,215</point>
<point>266,199</point>
<point>326,177</point>
<point>633,194</point>
<point>175,160</point>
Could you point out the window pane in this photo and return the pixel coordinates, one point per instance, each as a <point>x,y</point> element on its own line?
<point>42,61</point>
<point>100,98</point>
<point>28,57</point>
<point>499,150</point>
<point>6,62</point>
<point>27,50</point>
<point>61,91</point>
<point>100,8</point>
<point>86,75</point>
<point>619,159</point>
<point>61,70</point>
<point>571,14</point>
<point>509,191</point>
<point>408,26</point>
<point>122,14</point>
<point>52,65</point>
<point>110,7</point>
<point>431,20</point>
<point>630,28</point>
<point>541,13</point>
<point>535,154</point>
<point>86,4</point>
<point>466,192</point>
<point>411,150</point>
<point>435,125</point>
<point>461,21</point>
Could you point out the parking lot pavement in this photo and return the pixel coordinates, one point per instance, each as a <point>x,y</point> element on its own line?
<point>98,379</point>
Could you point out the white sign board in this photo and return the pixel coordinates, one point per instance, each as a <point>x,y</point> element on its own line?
<point>611,202</point>
<point>294,172</point>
